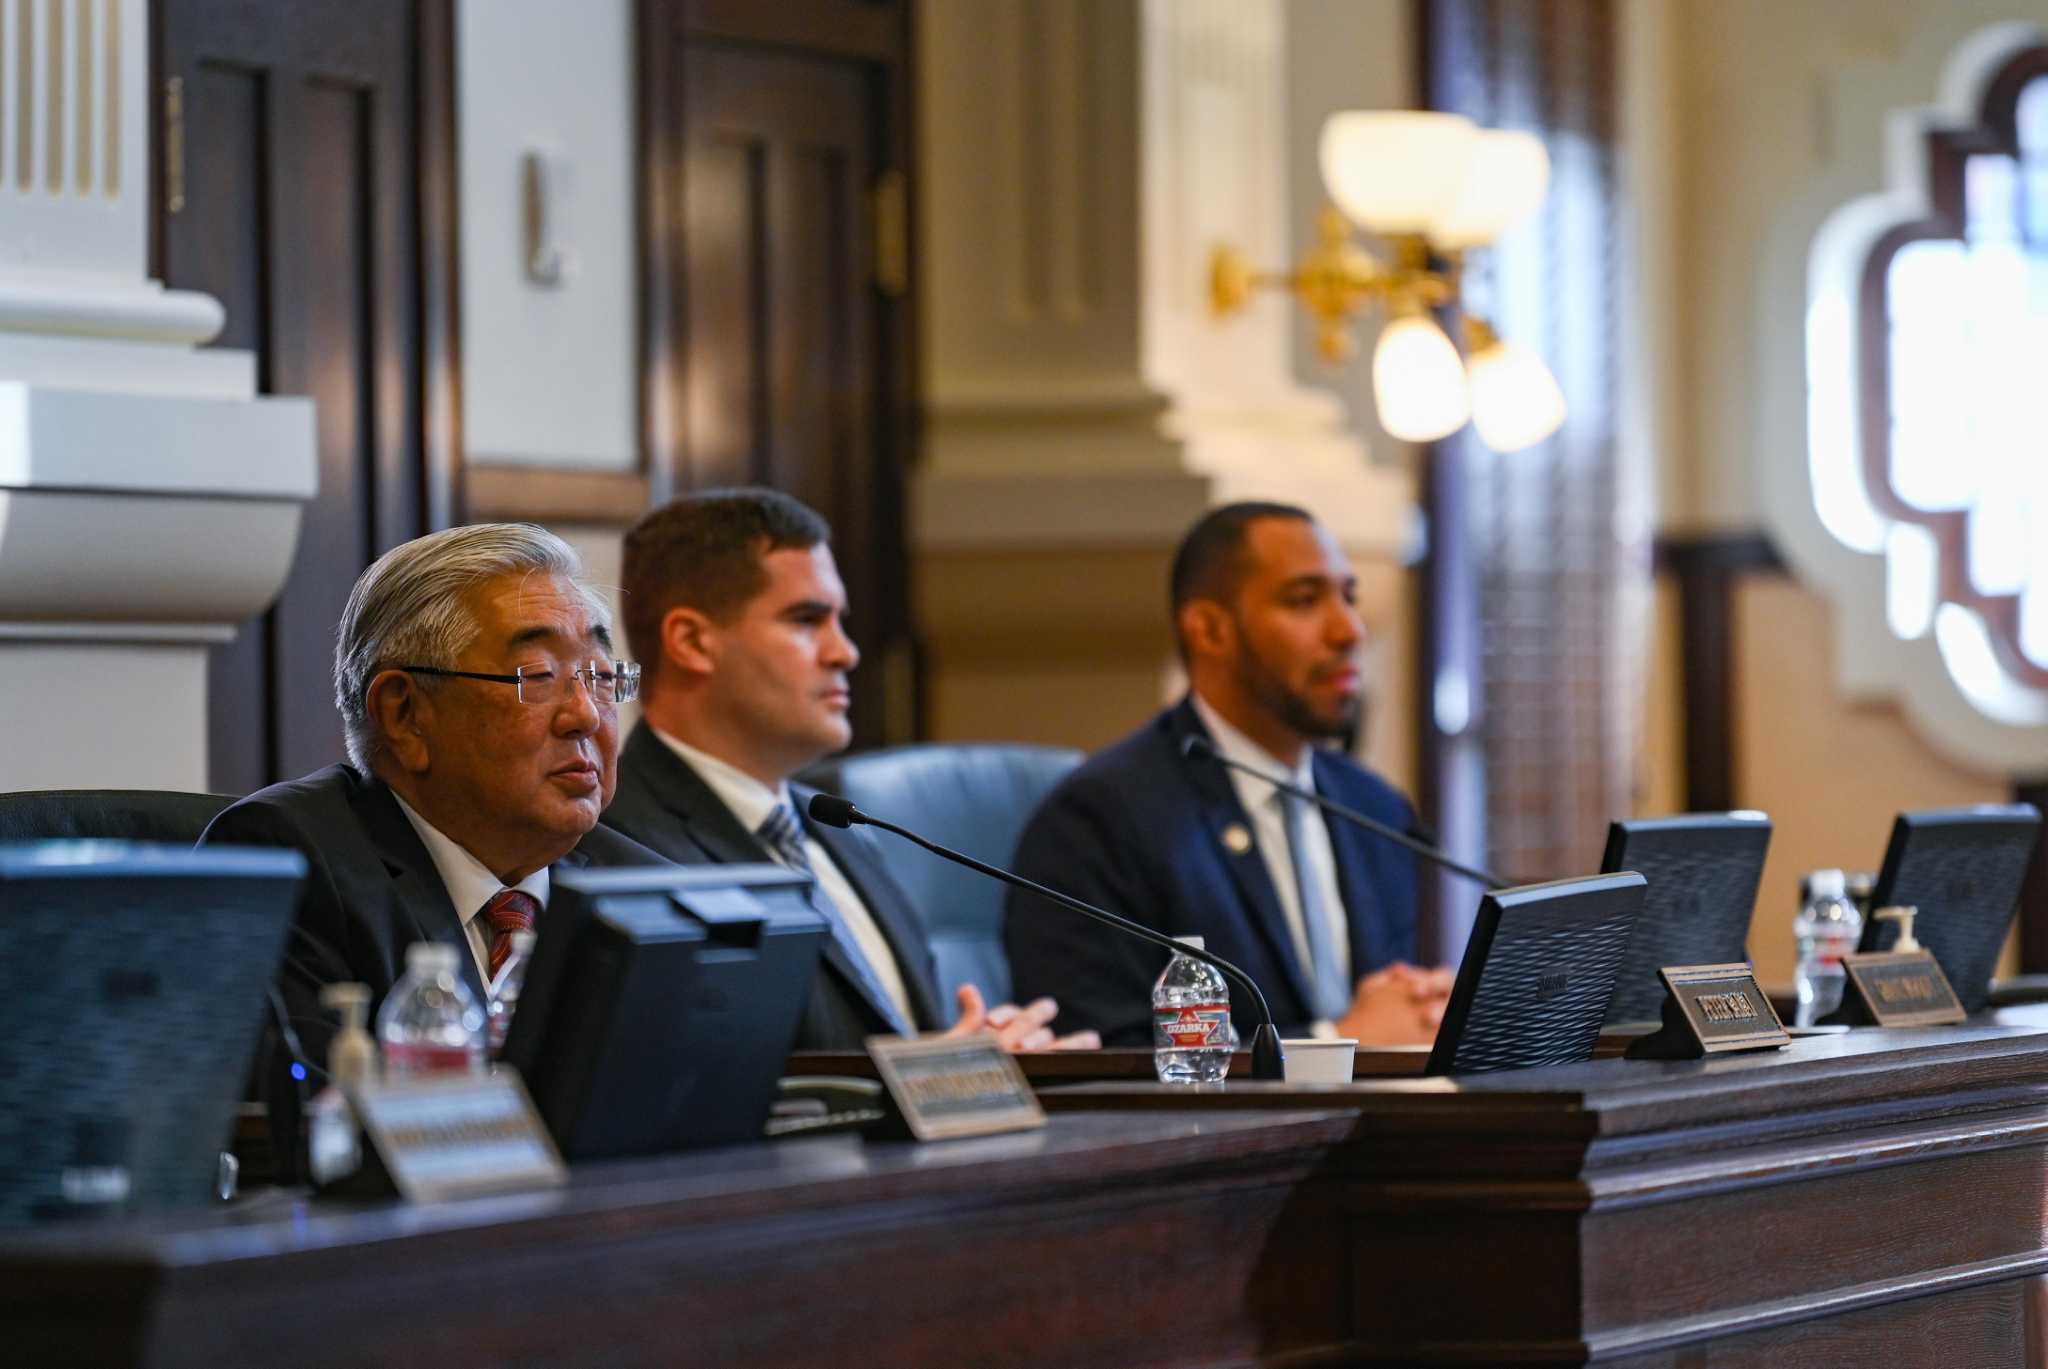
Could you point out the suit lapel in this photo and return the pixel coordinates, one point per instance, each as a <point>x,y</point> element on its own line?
<point>712,828</point>
<point>885,903</point>
<point>1230,828</point>
<point>678,789</point>
<point>419,900</point>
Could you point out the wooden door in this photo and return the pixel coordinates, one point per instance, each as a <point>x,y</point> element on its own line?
<point>296,130</point>
<point>771,144</point>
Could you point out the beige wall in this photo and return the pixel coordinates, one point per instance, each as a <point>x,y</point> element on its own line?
<point>1740,110</point>
<point>1760,100</point>
<point>1831,774</point>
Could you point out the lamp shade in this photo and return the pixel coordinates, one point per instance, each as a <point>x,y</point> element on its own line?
<point>1418,383</point>
<point>1516,401</point>
<point>1505,179</point>
<point>1396,171</point>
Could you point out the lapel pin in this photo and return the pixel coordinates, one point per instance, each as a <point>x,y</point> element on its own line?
<point>1236,839</point>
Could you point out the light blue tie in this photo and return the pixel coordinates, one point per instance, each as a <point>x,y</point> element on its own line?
<point>1326,973</point>
<point>785,838</point>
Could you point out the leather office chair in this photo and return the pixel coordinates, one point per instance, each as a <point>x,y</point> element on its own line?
<point>120,814</point>
<point>973,798</point>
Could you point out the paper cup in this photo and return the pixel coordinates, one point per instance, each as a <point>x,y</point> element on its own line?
<point>1312,1060</point>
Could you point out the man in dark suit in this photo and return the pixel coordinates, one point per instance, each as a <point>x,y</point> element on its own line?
<point>479,701</point>
<point>1320,914</point>
<point>737,612</point>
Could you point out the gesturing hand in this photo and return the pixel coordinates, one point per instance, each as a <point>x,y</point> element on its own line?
<point>1019,1029</point>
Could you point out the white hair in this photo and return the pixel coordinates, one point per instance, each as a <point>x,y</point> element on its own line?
<point>409,608</point>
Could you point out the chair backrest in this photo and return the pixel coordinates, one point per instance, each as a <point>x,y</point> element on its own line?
<point>974,798</point>
<point>115,814</point>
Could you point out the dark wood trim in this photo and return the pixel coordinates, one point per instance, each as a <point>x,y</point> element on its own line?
<point>1948,150</point>
<point>1706,567</point>
<point>841,28</point>
<point>1716,553</point>
<point>659,247</point>
<point>440,267</point>
<point>2033,914</point>
<point>552,494</point>
<point>907,704</point>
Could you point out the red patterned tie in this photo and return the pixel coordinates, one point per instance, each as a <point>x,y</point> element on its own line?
<point>508,911</point>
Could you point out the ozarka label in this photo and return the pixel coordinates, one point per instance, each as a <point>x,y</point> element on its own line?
<point>1195,1024</point>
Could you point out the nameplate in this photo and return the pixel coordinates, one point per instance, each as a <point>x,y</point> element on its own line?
<point>1898,989</point>
<point>458,1136</point>
<point>946,1087</point>
<point>1708,1010</point>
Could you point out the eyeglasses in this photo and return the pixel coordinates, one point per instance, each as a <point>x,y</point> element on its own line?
<point>607,685</point>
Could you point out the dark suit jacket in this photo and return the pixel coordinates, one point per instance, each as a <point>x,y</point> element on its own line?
<point>662,803</point>
<point>1138,830</point>
<point>371,891</point>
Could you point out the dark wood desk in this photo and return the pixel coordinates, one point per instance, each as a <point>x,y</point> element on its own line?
<point>1873,1199</point>
<point>1102,1240</point>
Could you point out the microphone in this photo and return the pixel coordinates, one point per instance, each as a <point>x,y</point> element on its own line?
<point>1197,745</point>
<point>1268,1062</point>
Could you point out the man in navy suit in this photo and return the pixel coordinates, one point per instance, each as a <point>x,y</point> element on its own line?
<point>1319,913</point>
<point>735,605</point>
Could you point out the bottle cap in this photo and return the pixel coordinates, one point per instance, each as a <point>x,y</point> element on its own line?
<point>1827,883</point>
<point>430,957</point>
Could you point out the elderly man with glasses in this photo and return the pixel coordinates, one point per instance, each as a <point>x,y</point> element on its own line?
<point>479,700</point>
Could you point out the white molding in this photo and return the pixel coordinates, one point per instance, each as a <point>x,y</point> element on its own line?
<point>122,634</point>
<point>145,312</point>
<point>85,439</point>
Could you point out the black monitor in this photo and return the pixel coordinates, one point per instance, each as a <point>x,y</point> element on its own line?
<point>661,1003</point>
<point>1703,871</point>
<point>132,987</point>
<point>1537,975</point>
<point>1962,868</point>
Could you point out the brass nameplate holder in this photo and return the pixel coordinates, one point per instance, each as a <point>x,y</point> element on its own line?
<point>1902,987</point>
<point>1898,989</point>
<point>1708,1010</point>
<point>454,1137</point>
<point>946,1087</point>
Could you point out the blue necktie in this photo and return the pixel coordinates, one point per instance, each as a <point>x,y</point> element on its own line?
<point>1326,974</point>
<point>782,835</point>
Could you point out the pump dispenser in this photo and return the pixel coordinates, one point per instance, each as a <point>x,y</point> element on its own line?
<point>334,1140</point>
<point>352,1056</point>
<point>1904,916</point>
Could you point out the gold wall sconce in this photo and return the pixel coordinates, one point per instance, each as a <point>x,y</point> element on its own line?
<point>1432,187</point>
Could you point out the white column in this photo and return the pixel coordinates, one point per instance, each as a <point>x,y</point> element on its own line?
<point>148,500</point>
<point>1080,160</point>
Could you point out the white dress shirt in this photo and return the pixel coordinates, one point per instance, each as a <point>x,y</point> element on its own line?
<point>470,885</point>
<point>751,802</point>
<point>1267,809</point>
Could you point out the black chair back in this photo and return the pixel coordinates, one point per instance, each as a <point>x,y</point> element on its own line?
<point>115,814</point>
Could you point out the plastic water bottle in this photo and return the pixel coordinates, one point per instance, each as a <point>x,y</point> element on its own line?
<point>1192,1039</point>
<point>430,1022</point>
<point>505,990</point>
<point>1827,928</point>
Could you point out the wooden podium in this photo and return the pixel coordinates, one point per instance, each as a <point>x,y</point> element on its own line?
<point>1877,1198</point>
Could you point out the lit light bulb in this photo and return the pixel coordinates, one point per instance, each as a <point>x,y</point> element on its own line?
<point>1396,171</point>
<point>1418,382</point>
<point>1505,182</point>
<point>1516,401</point>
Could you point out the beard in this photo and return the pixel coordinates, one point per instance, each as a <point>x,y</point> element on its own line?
<point>1266,687</point>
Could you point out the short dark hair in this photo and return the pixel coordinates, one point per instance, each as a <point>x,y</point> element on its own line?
<point>1211,562</point>
<point>704,551</point>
